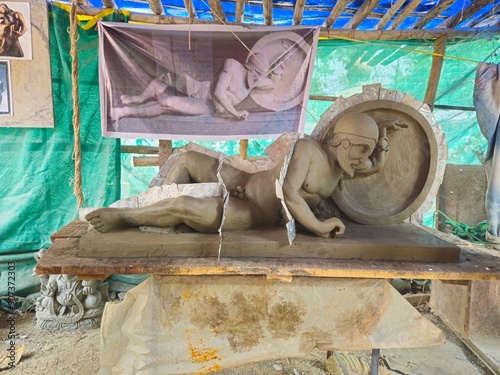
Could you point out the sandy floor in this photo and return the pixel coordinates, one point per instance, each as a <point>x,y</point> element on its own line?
<point>63,353</point>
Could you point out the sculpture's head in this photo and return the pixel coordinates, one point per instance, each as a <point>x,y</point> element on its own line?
<point>354,137</point>
<point>257,65</point>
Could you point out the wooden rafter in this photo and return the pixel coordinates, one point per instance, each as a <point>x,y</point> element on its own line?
<point>457,33</point>
<point>486,15</point>
<point>267,10</point>
<point>431,14</point>
<point>389,14</point>
<point>217,11</point>
<point>464,14</point>
<point>297,12</point>
<point>363,12</point>
<point>404,14</point>
<point>156,6</point>
<point>240,10</point>
<point>190,9</point>
<point>109,3</point>
<point>335,13</point>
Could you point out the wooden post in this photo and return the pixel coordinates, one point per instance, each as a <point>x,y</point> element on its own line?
<point>437,65</point>
<point>243,148</point>
<point>164,151</point>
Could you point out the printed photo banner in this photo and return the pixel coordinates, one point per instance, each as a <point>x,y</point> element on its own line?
<point>200,82</point>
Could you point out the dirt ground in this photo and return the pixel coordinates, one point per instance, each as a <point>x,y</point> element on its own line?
<point>63,353</point>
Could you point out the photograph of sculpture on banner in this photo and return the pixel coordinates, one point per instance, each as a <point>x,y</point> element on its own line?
<point>199,83</point>
<point>15,30</point>
<point>5,89</point>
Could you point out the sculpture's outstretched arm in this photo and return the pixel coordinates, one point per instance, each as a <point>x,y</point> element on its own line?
<point>378,158</point>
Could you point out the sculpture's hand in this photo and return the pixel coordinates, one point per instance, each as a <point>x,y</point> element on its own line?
<point>331,226</point>
<point>242,115</point>
<point>392,125</point>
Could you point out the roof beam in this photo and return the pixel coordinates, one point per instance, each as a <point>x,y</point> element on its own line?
<point>404,14</point>
<point>267,10</point>
<point>478,33</point>
<point>431,14</point>
<point>464,14</point>
<point>240,10</point>
<point>389,14</point>
<point>298,11</point>
<point>156,6</point>
<point>109,3</point>
<point>335,13</point>
<point>190,9</point>
<point>363,12</point>
<point>217,12</point>
<point>486,15</point>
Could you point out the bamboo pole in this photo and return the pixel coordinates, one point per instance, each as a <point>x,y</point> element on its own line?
<point>129,149</point>
<point>462,33</point>
<point>437,65</point>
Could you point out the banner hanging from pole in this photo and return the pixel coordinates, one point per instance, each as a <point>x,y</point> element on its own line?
<point>204,82</point>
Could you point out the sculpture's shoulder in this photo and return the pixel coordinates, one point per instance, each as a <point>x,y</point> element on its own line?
<point>307,145</point>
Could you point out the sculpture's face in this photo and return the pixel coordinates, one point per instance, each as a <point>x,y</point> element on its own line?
<point>352,156</point>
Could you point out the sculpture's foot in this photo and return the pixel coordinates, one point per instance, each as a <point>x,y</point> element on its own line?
<point>131,99</point>
<point>106,219</point>
<point>117,113</point>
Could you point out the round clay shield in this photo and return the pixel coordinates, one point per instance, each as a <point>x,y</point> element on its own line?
<point>395,193</point>
<point>288,56</point>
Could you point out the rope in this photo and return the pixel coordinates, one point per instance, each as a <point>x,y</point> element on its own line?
<point>472,234</point>
<point>77,153</point>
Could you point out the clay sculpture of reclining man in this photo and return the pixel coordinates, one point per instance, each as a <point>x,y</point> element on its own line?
<point>314,171</point>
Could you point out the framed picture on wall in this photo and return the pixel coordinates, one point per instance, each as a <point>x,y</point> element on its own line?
<point>204,83</point>
<point>5,89</point>
<point>25,44</point>
<point>15,30</point>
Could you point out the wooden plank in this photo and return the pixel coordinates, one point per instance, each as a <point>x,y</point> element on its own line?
<point>164,151</point>
<point>240,10</point>
<point>62,258</point>
<point>335,13</point>
<point>435,74</point>
<point>431,14</point>
<point>464,14</point>
<point>267,10</point>
<point>362,13</point>
<point>130,149</point>
<point>400,242</point>
<point>389,14</point>
<point>75,229</point>
<point>475,264</point>
<point>297,12</point>
<point>404,14</point>
<point>156,6</point>
<point>145,161</point>
<point>217,11</point>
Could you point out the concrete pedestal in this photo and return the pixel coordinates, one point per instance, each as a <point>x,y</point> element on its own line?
<point>201,324</point>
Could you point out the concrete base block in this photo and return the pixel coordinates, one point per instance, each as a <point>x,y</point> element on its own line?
<point>201,324</point>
